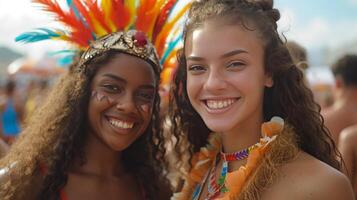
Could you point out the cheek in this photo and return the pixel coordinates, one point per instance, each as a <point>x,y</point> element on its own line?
<point>97,103</point>
<point>192,87</point>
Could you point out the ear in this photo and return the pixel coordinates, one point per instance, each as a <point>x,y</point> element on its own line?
<point>268,81</point>
<point>338,82</point>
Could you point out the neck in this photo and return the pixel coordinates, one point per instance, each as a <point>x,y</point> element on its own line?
<point>345,97</point>
<point>100,159</point>
<point>243,136</point>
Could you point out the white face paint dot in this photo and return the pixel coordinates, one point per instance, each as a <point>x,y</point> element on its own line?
<point>145,107</point>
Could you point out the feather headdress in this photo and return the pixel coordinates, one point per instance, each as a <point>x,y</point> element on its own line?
<point>144,28</point>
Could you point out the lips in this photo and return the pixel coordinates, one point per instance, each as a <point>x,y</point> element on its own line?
<point>219,105</point>
<point>121,126</point>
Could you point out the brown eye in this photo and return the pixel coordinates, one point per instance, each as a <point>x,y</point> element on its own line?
<point>112,88</point>
<point>146,96</point>
<point>196,68</point>
<point>236,65</point>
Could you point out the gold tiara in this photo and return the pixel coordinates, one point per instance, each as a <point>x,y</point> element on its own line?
<point>131,42</point>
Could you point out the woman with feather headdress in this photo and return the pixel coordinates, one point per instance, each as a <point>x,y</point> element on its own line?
<point>98,134</point>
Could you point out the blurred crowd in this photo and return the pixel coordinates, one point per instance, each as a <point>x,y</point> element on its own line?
<point>17,103</point>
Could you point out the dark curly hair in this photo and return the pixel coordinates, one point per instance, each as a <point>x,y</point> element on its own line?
<point>289,97</point>
<point>54,137</point>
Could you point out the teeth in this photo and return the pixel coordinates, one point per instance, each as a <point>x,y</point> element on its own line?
<point>121,124</point>
<point>219,104</point>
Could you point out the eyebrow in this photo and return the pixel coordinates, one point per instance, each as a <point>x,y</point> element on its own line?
<point>234,52</point>
<point>194,58</point>
<point>117,78</point>
<point>229,54</point>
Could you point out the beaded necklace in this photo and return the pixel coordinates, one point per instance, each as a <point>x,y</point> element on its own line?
<point>215,188</point>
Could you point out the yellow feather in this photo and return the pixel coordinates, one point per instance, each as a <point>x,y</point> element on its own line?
<point>108,9</point>
<point>98,29</point>
<point>131,5</point>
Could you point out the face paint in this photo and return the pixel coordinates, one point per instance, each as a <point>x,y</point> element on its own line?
<point>99,96</point>
<point>145,107</point>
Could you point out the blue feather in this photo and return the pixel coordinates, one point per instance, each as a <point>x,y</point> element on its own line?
<point>67,51</point>
<point>66,60</point>
<point>170,48</point>
<point>75,10</point>
<point>66,57</point>
<point>37,35</point>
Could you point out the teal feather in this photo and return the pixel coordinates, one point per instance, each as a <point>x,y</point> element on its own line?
<point>74,9</point>
<point>67,51</point>
<point>37,35</point>
<point>66,60</point>
<point>66,57</point>
<point>170,48</point>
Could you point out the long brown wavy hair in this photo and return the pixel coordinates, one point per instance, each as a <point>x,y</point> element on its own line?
<point>55,136</point>
<point>289,97</point>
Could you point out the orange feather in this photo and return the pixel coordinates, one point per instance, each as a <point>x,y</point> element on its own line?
<point>99,16</point>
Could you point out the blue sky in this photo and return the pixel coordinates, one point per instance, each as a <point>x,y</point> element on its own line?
<point>316,24</point>
<point>319,23</point>
<point>334,10</point>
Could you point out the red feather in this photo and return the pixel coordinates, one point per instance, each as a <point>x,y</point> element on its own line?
<point>54,8</point>
<point>143,21</point>
<point>162,18</point>
<point>84,12</point>
<point>79,32</point>
<point>121,14</point>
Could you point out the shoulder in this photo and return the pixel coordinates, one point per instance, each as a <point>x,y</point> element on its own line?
<point>349,134</point>
<point>347,142</point>
<point>308,178</point>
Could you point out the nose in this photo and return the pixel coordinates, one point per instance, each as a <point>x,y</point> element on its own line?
<point>215,81</point>
<point>126,103</point>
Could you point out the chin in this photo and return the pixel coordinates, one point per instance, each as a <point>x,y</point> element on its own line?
<point>218,127</point>
<point>119,147</point>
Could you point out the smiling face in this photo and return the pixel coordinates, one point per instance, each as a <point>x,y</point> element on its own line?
<point>225,75</point>
<point>120,109</point>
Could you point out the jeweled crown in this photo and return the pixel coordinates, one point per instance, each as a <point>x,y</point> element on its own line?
<point>131,42</point>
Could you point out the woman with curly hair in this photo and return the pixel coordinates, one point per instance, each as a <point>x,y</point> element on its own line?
<point>98,134</point>
<point>235,75</point>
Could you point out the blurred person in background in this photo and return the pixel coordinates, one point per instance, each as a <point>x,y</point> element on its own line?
<point>348,149</point>
<point>298,54</point>
<point>343,112</point>
<point>322,92</point>
<point>11,113</point>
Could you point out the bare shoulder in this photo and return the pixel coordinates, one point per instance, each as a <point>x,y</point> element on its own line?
<point>308,178</point>
<point>349,134</point>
